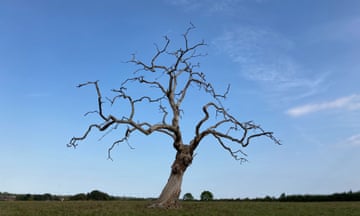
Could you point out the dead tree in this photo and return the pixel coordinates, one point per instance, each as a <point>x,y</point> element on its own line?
<point>177,78</point>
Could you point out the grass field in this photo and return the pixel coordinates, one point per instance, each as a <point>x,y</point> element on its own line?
<point>99,208</point>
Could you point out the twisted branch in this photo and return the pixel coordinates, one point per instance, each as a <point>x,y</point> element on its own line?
<point>233,125</point>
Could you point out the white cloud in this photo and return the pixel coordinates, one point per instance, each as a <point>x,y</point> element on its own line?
<point>351,102</point>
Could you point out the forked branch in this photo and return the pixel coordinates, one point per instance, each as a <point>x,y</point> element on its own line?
<point>229,129</point>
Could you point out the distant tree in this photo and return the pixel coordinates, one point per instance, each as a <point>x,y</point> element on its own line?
<point>269,198</point>
<point>163,83</point>
<point>282,197</point>
<point>98,195</point>
<point>38,197</point>
<point>47,197</point>
<point>188,197</point>
<point>80,196</point>
<point>28,197</point>
<point>206,196</point>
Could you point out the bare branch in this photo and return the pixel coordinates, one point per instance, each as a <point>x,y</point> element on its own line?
<point>163,109</point>
<point>124,139</point>
<point>153,66</point>
<point>99,96</point>
<point>74,140</point>
<point>144,127</point>
<point>233,125</point>
<point>234,154</point>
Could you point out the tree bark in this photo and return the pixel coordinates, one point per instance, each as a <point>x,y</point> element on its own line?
<point>169,197</point>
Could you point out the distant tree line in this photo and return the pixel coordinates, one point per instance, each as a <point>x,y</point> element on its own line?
<point>93,195</point>
<point>204,196</point>
<point>335,197</point>
<point>37,197</point>
<point>345,196</point>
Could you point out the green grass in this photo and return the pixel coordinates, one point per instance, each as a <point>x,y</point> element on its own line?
<point>99,208</point>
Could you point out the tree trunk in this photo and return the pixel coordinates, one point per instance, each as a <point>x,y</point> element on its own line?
<point>169,197</point>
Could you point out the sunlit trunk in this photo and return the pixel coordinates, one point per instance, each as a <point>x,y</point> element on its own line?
<point>169,197</point>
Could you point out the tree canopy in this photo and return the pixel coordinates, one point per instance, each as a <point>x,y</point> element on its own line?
<point>206,196</point>
<point>188,197</point>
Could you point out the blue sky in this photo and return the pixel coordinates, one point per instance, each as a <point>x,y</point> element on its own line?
<point>293,68</point>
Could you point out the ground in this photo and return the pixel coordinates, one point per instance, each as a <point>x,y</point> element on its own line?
<point>108,208</point>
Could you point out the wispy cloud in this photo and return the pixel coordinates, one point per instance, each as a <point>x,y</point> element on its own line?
<point>351,102</point>
<point>353,140</point>
<point>264,56</point>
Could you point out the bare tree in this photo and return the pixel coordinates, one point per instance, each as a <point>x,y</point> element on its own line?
<point>172,84</point>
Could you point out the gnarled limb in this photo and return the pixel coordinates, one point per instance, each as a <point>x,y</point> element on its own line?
<point>232,125</point>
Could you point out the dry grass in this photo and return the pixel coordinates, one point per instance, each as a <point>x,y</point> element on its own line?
<point>107,208</point>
